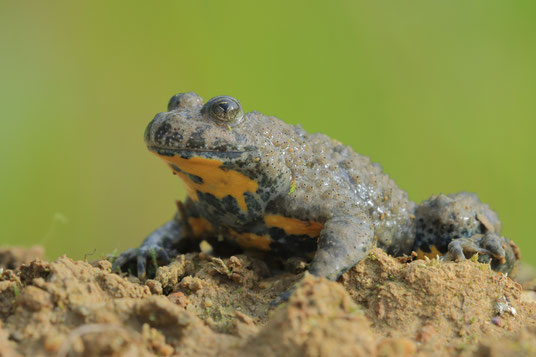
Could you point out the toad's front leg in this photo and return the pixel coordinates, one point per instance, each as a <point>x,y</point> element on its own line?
<point>343,242</point>
<point>162,244</point>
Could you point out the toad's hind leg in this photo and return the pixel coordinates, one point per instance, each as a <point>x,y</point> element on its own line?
<point>158,247</point>
<point>343,242</point>
<point>458,226</point>
<point>500,250</point>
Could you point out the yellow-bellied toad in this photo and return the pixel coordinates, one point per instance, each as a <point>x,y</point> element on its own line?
<point>263,184</point>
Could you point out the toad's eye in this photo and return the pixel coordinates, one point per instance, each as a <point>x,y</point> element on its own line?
<point>184,100</point>
<point>224,109</point>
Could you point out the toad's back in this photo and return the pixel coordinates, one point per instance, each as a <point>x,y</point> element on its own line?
<point>333,180</point>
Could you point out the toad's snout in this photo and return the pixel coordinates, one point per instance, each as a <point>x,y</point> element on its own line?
<point>162,133</point>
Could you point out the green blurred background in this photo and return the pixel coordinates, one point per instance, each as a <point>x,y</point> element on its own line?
<point>441,93</point>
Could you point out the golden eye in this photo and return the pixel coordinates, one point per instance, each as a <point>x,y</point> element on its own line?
<point>224,109</point>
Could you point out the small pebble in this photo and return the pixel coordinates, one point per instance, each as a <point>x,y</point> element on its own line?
<point>503,305</point>
<point>178,298</point>
<point>155,286</point>
<point>205,247</point>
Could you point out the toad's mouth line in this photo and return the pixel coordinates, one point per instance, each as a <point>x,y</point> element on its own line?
<point>182,151</point>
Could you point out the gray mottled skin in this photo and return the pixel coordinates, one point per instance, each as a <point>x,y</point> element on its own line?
<point>310,177</point>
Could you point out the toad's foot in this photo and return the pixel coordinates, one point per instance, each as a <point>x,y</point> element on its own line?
<point>156,250</point>
<point>157,255</point>
<point>488,246</point>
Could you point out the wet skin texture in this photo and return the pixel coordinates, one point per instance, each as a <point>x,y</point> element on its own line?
<point>257,183</point>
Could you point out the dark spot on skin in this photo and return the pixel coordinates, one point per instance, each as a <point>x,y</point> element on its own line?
<point>230,205</point>
<point>338,149</point>
<point>175,168</point>
<point>197,138</point>
<point>243,165</point>
<point>172,139</point>
<point>195,178</point>
<point>212,201</point>
<point>161,132</point>
<point>252,203</point>
<point>265,195</point>
<point>222,146</point>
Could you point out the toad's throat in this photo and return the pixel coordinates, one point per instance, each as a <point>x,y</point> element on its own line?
<point>207,176</point>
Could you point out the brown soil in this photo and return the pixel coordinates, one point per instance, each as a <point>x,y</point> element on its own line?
<point>205,306</point>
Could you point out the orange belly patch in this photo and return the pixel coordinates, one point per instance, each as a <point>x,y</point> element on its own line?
<point>294,226</point>
<point>434,252</point>
<point>199,226</point>
<point>216,181</point>
<point>251,240</point>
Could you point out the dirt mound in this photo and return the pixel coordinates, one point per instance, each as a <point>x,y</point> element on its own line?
<point>438,304</point>
<point>320,319</point>
<point>12,257</point>
<point>202,305</point>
